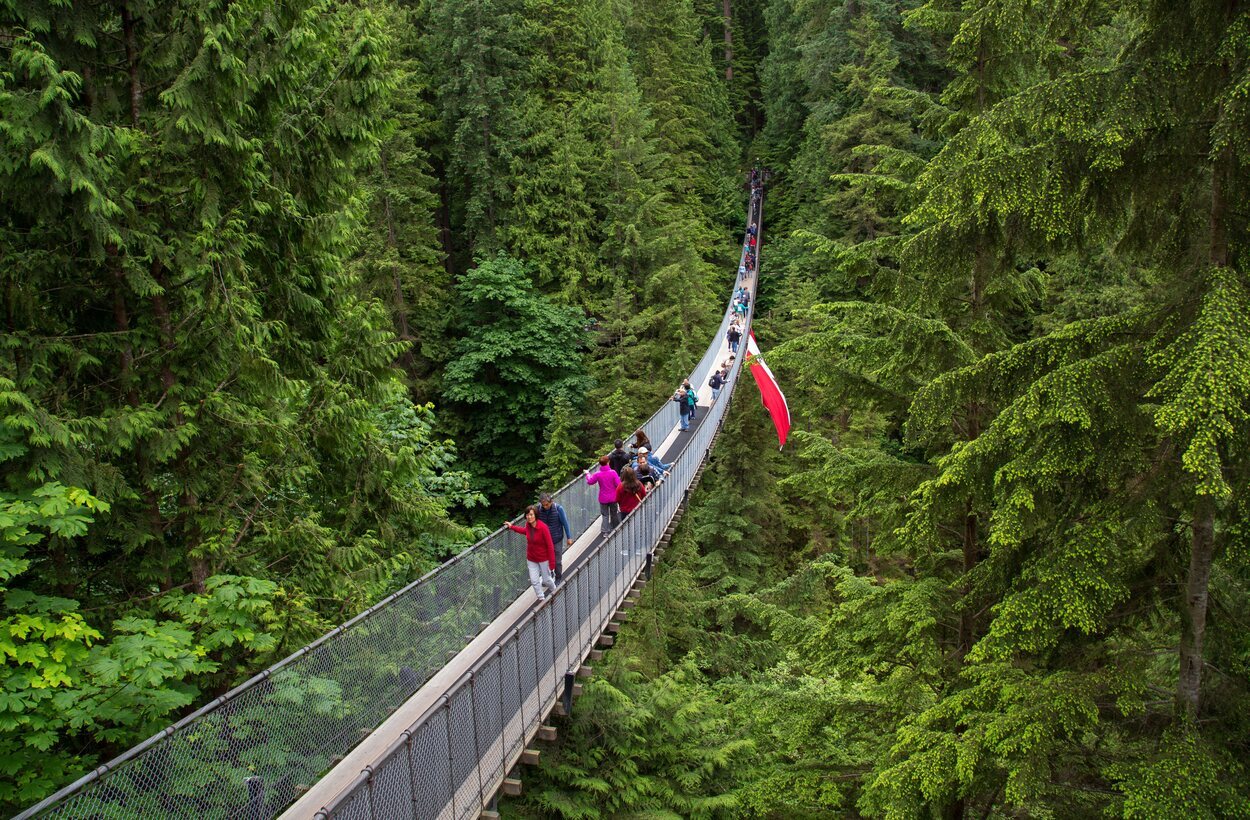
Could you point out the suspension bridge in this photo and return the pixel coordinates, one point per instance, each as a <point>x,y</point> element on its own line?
<point>424,704</point>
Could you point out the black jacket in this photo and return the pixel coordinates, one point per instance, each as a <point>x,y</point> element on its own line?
<point>618,459</point>
<point>646,477</point>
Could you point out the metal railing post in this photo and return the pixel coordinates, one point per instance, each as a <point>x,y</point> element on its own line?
<point>567,698</point>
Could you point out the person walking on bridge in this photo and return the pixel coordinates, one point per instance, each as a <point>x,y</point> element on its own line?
<point>716,382</point>
<point>618,458</point>
<point>683,409</point>
<point>608,481</point>
<point>553,515</point>
<point>733,336</point>
<point>540,552</point>
<point>640,440</point>
<point>631,492</point>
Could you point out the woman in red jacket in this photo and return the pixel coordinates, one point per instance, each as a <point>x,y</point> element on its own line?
<point>631,492</point>
<point>540,552</point>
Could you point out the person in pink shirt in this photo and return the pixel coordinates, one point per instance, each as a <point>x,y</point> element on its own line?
<point>608,481</point>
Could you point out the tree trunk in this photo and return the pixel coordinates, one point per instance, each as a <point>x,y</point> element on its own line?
<point>971,553</point>
<point>132,65</point>
<point>1194,611</point>
<point>727,8</point>
<point>1202,530</point>
<point>443,219</point>
<point>971,546</point>
<point>121,318</point>
<point>399,304</point>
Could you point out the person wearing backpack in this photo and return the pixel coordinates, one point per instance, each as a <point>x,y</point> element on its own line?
<point>683,410</point>
<point>691,397</point>
<point>631,493</point>
<point>716,383</point>
<point>553,515</point>
<point>540,552</point>
<point>608,481</point>
<point>618,458</point>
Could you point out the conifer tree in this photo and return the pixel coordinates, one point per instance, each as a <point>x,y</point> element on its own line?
<point>562,458</point>
<point>518,354</point>
<point>482,55</point>
<point>188,363</point>
<point>401,257</point>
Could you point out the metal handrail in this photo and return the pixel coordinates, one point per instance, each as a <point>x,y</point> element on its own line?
<point>395,782</point>
<point>94,780</point>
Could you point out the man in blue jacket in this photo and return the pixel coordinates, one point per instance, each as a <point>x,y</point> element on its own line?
<point>660,467</point>
<point>552,514</point>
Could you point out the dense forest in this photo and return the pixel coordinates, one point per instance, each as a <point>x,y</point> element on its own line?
<point>298,294</point>
<point>1003,569</point>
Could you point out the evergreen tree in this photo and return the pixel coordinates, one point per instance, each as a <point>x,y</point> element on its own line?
<point>401,257</point>
<point>562,458</point>
<point>518,355</point>
<point>480,49</point>
<point>199,396</point>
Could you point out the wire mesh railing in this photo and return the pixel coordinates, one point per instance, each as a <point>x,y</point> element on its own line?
<point>491,711</point>
<point>254,750</point>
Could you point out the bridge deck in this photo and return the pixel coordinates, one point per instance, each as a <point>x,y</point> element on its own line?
<point>370,750</point>
<point>431,695</point>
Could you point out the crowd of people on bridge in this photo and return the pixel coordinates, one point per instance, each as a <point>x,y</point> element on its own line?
<point>623,478</point>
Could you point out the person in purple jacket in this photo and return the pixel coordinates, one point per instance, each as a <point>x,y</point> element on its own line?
<point>608,481</point>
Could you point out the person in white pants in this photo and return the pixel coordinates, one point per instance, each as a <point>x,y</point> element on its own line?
<point>540,551</point>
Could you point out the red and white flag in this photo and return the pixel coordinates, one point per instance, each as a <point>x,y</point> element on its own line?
<point>770,393</point>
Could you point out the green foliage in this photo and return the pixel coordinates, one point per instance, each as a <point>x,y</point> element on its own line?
<point>1001,572</point>
<point>518,355</point>
<point>665,750</point>
<point>65,682</point>
<point>561,457</point>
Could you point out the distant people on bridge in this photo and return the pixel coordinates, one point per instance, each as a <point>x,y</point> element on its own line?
<point>640,440</point>
<point>646,456</point>
<point>716,382</point>
<point>683,409</point>
<point>691,397</point>
<point>540,551</point>
<point>618,458</point>
<point>553,515</point>
<point>631,492</point>
<point>644,472</point>
<point>733,336</point>
<point>608,481</point>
